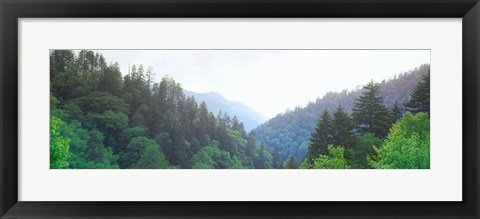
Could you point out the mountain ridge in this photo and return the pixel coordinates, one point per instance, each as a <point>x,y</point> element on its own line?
<point>289,132</point>
<point>216,102</point>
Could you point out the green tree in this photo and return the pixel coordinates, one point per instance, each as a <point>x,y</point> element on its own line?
<point>407,146</point>
<point>263,158</point>
<point>112,80</point>
<point>321,136</point>
<point>134,150</point>
<point>60,60</point>
<point>342,127</point>
<point>211,157</point>
<point>251,145</point>
<point>420,98</point>
<point>291,164</point>
<point>357,156</point>
<point>95,147</point>
<point>152,158</point>
<point>396,111</point>
<point>98,154</point>
<point>336,160</point>
<point>59,147</point>
<point>369,113</point>
<point>111,119</point>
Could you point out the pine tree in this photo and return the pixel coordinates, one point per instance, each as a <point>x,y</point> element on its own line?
<point>396,112</point>
<point>251,144</point>
<point>291,164</point>
<point>321,137</point>
<point>369,112</point>
<point>260,162</point>
<point>342,126</point>
<point>420,98</point>
<point>276,158</point>
<point>150,75</point>
<point>235,123</point>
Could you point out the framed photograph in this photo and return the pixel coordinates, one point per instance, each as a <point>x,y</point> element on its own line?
<point>255,109</point>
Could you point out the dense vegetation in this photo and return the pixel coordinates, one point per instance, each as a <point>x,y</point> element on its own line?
<point>289,133</point>
<point>372,137</point>
<point>217,103</point>
<point>100,119</point>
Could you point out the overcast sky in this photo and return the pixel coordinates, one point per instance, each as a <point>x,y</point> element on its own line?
<point>271,81</point>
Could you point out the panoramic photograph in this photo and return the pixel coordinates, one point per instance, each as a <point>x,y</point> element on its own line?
<point>240,109</point>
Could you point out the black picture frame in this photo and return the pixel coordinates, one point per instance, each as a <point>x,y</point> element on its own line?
<point>12,10</point>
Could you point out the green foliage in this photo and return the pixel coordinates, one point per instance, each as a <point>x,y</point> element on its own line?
<point>357,156</point>
<point>110,121</point>
<point>59,147</point>
<point>98,154</point>
<point>291,164</point>
<point>290,132</point>
<point>407,146</point>
<point>342,129</point>
<point>264,160</point>
<point>211,157</point>
<point>336,160</point>
<point>396,112</point>
<point>420,98</point>
<point>322,136</point>
<point>133,151</point>
<point>100,102</point>
<point>152,158</point>
<point>369,113</point>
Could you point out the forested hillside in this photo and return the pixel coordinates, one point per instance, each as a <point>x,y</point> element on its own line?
<point>101,119</point>
<point>216,103</point>
<point>288,134</point>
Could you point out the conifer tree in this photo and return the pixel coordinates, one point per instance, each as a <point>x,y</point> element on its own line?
<point>235,123</point>
<point>251,144</point>
<point>420,98</point>
<point>396,112</point>
<point>342,126</point>
<point>291,164</point>
<point>369,112</point>
<point>260,162</point>
<point>276,158</point>
<point>322,135</point>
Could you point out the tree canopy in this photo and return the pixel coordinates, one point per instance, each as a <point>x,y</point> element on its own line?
<point>101,119</point>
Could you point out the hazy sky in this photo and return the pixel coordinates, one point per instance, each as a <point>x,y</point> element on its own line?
<point>271,81</point>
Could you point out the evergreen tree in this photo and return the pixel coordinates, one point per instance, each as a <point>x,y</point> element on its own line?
<point>235,123</point>
<point>420,98</point>
<point>149,75</point>
<point>369,113</point>
<point>291,164</point>
<point>276,158</point>
<point>396,112</point>
<point>251,144</point>
<point>152,158</point>
<point>322,135</point>
<point>260,162</point>
<point>342,127</point>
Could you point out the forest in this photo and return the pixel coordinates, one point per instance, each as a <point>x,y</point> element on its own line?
<point>101,119</point>
<point>290,132</point>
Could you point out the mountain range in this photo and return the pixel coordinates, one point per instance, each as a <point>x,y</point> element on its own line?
<point>217,103</point>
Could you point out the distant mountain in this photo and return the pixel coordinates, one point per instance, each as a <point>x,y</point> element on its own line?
<point>217,102</point>
<point>289,133</point>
